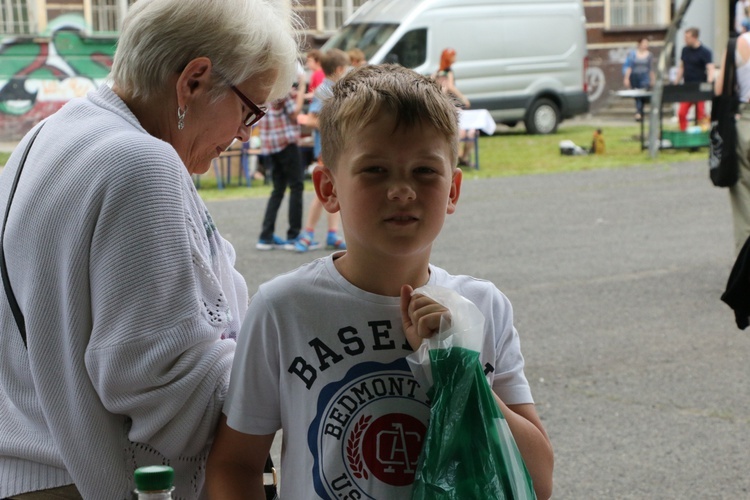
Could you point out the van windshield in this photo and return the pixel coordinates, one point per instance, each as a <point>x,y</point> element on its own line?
<point>366,37</point>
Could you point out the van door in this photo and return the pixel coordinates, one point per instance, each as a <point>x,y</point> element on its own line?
<point>410,50</point>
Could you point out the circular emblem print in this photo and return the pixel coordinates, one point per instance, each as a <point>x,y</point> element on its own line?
<point>368,433</point>
<point>390,448</point>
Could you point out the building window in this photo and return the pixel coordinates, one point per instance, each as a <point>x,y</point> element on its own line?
<point>15,18</point>
<point>335,12</point>
<point>107,15</point>
<point>104,16</point>
<point>637,13</point>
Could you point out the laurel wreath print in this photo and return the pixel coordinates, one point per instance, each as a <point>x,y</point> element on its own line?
<point>353,454</point>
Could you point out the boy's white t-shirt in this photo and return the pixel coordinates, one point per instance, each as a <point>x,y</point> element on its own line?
<point>325,361</point>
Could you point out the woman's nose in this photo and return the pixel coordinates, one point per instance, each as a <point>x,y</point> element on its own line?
<point>243,133</point>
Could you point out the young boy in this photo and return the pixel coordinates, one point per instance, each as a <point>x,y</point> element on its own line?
<point>322,351</point>
<point>335,63</point>
<point>316,72</point>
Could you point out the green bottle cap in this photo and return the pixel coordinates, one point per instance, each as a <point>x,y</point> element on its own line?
<point>154,478</point>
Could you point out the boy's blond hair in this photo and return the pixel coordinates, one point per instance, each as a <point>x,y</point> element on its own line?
<point>361,95</point>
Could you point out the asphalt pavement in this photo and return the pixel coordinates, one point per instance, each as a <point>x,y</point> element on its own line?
<point>639,373</point>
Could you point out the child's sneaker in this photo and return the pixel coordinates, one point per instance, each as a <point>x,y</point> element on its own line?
<point>272,244</point>
<point>335,242</point>
<point>305,242</point>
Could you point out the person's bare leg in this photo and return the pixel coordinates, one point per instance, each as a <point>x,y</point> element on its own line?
<point>313,216</point>
<point>333,240</point>
<point>463,151</point>
<point>305,239</point>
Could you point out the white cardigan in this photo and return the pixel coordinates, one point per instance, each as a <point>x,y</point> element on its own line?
<point>131,302</point>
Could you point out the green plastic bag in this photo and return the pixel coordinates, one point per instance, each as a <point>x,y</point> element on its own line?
<point>469,451</point>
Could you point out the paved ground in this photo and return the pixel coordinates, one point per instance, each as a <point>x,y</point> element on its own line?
<point>8,146</point>
<point>639,373</point>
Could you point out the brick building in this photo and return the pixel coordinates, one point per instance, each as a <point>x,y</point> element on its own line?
<point>613,28</point>
<point>54,50</point>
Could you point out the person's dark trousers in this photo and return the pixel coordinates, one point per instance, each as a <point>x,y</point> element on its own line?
<point>285,171</point>
<point>640,82</point>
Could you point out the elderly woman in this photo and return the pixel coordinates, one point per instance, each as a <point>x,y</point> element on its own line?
<point>126,291</point>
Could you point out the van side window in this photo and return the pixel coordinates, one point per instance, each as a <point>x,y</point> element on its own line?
<point>368,37</point>
<point>411,50</point>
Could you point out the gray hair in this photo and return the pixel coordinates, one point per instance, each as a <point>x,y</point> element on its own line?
<point>242,38</point>
<point>365,92</point>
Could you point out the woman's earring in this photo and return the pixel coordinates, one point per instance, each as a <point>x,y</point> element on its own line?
<point>181,117</point>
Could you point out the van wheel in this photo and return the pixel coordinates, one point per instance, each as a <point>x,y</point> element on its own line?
<point>543,117</point>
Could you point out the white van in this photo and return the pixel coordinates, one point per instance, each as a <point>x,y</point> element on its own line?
<point>523,60</point>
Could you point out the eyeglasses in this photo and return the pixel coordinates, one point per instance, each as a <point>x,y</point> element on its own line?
<point>255,113</point>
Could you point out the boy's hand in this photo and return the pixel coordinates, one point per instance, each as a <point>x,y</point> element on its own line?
<point>420,316</point>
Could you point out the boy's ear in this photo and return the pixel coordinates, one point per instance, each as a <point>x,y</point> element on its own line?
<point>194,79</point>
<point>455,192</point>
<point>325,188</point>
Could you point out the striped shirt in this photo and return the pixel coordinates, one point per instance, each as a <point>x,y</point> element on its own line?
<point>277,129</point>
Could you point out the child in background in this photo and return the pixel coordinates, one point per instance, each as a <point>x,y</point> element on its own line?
<point>322,350</point>
<point>334,63</point>
<point>317,75</point>
<point>356,57</point>
<point>279,134</point>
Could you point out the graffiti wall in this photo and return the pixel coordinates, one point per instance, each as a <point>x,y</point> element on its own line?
<point>38,75</point>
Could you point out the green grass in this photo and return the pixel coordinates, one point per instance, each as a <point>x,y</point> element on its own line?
<point>209,191</point>
<point>515,153</point>
<point>512,152</point>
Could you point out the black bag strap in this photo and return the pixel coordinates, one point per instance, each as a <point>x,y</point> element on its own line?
<point>729,83</point>
<point>17,314</point>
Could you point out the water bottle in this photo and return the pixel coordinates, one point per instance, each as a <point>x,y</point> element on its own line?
<point>154,482</point>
